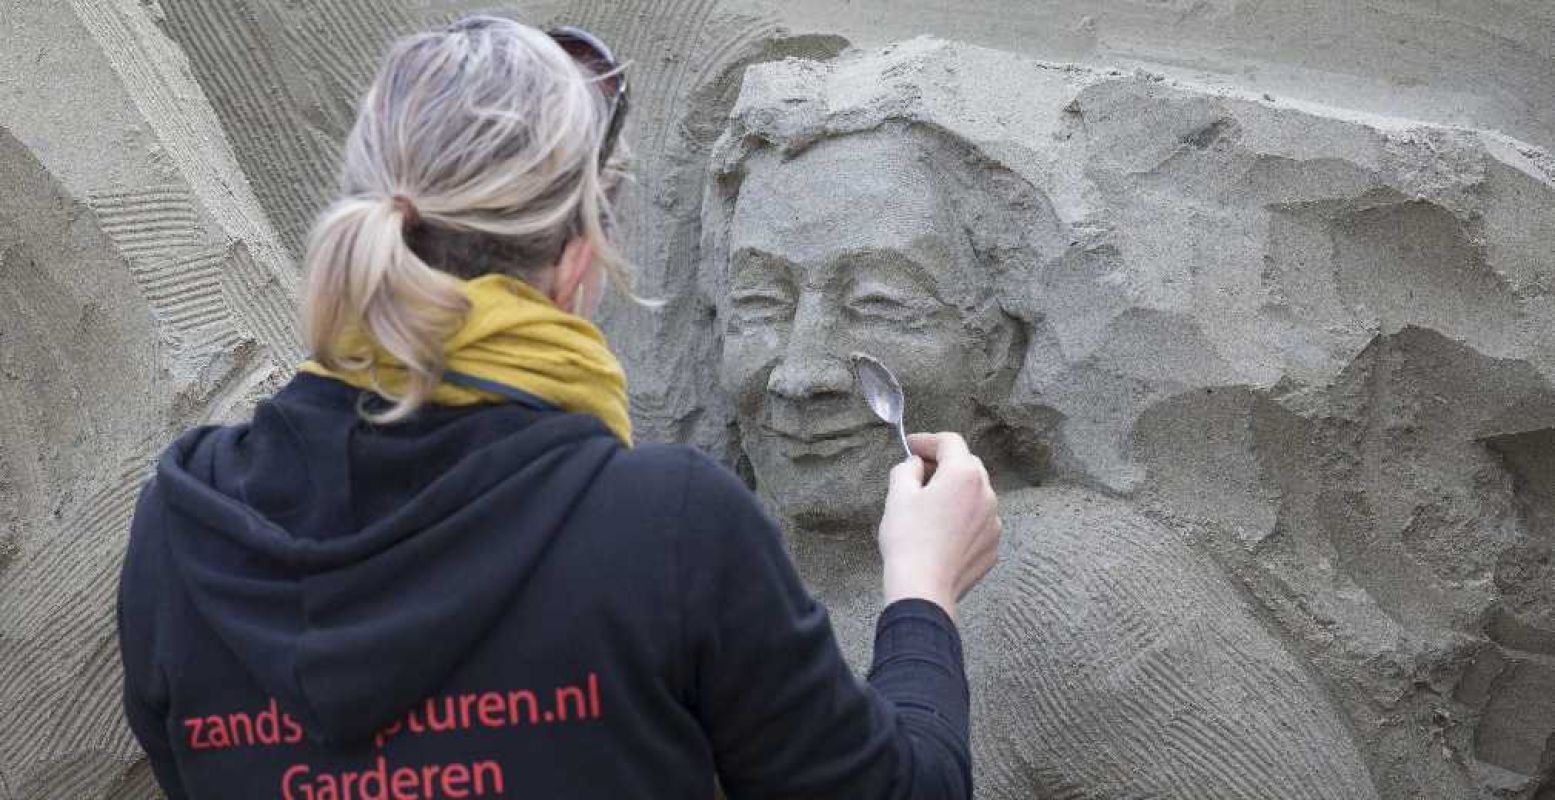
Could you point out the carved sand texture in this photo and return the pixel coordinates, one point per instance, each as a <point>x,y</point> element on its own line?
<point>64,735</point>
<point>264,302</point>
<point>239,53</point>
<point>209,299</point>
<point>64,692</point>
<point>1459,62</point>
<point>185,294</point>
<point>129,238</point>
<point>149,225</point>
<point>1381,527</point>
<point>1139,672</point>
<point>156,78</point>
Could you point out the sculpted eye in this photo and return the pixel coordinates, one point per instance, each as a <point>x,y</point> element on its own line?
<point>879,305</point>
<point>760,305</point>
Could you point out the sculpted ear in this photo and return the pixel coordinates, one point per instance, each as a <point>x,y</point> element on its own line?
<point>1006,347</point>
<point>1003,350</point>
<point>1012,438</point>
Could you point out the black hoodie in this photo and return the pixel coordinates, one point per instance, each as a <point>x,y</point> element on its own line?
<point>500,601</point>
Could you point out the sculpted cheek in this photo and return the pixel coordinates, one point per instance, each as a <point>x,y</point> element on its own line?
<point>935,365</point>
<point>748,357</point>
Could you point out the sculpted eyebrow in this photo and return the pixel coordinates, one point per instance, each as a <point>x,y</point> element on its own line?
<point>755,260</point>
<point>897,261</point>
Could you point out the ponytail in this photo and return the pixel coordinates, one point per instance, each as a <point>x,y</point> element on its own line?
<point>367,288</point>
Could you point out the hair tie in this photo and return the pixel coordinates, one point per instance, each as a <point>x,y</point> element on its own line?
<point>406,209</point>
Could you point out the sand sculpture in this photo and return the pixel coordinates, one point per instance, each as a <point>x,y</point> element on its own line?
<point>1215,336</point>
<point>1266,389</point>
<point>1097,609</point>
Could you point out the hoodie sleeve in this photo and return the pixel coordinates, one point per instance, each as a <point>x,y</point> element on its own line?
<point>137,610</point>
<point>783,712</point>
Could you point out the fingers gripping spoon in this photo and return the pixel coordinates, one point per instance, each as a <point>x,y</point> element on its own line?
<point>882,392</point>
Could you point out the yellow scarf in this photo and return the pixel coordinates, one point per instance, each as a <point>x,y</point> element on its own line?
<point>515,336</point>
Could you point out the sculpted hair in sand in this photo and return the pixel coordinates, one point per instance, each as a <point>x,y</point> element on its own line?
<point>475,150</point>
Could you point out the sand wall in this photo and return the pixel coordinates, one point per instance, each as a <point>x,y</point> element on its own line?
<point>1274,356</point>
<point>1284,301</point>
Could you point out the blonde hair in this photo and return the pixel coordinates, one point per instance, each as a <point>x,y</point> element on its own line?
<point>475,150</point>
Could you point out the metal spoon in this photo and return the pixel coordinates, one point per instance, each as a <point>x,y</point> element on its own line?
<point>882,392</point>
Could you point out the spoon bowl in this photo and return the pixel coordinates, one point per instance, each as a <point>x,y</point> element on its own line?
<point>882,392</point>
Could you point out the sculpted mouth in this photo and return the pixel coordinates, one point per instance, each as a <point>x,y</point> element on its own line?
<point>820,444</point>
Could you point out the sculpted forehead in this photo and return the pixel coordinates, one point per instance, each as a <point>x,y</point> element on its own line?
<point>858,192</point>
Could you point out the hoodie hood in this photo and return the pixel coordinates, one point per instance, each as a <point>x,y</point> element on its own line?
<point>351,567</point>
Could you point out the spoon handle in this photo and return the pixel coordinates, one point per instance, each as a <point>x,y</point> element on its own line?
<point>902,432</point>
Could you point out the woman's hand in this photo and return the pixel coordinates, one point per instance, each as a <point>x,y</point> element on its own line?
<point>938,538</point>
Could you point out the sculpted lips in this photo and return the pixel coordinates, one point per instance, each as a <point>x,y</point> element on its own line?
<point>821,443</point>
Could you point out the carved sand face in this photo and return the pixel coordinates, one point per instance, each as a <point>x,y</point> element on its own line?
<point>847,247</point>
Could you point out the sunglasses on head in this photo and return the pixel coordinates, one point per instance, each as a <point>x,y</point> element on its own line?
<point>588,50</point>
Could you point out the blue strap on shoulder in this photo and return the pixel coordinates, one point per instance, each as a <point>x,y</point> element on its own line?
<point>516,395</point>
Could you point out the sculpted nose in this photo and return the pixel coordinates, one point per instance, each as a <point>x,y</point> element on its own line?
<point>809,367</point>
<point>806,376</point>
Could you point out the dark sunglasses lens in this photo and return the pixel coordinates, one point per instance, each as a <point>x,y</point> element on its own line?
<point>589,56</point>
<point>593,54</point>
